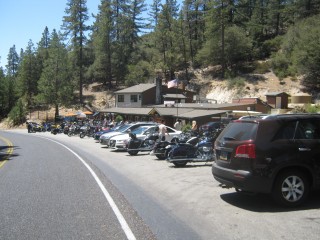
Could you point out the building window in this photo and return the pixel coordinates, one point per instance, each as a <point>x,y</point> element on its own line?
<point>140,97</point>
<point>120,98</point>
<point>134,98</point>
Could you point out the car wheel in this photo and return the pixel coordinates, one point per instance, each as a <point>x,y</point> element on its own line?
<point>180,163</point>
<point>291,188</point>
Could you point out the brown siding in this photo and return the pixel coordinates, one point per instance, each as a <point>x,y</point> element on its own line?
<point>149,97</point>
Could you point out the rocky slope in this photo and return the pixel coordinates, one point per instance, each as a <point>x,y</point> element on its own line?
<point>256,85</point>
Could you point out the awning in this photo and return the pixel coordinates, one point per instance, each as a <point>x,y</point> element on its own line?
<point>70,115</point>
<point>88,113</point>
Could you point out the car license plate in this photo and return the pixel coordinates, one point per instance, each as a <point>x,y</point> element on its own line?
<point>223,156</point>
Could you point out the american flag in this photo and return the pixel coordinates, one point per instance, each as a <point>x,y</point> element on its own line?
<point>173,83</point>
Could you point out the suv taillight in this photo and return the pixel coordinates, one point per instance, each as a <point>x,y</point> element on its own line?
<point>246,151</point>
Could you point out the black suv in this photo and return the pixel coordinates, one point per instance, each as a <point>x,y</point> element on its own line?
<point>277,154</point>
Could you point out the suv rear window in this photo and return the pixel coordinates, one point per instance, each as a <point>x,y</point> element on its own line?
<point>240,131</point>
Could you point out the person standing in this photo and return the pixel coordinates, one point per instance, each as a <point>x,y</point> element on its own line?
<point>194,128</point>
<point>162,131</point>
<point>178,125</point>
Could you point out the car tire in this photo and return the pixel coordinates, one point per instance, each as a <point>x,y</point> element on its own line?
<point>291,188</point>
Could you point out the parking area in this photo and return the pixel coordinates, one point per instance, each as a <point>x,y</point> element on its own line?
<point>193,196</point>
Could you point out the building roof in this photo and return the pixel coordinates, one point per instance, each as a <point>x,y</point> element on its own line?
<point>135,111</point>
<point>140,88</point>
<point>174,96</point>
<point>276,94</point>
<point>206,105</point>
<point>186,113</point>
<point>169,111</point>
<point>197,113</point>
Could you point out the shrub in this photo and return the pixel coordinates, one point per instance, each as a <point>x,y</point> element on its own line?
<point>237,82</point>
<point>18,113</point>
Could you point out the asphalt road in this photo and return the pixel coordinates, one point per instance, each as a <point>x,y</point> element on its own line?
<point>48,193</point>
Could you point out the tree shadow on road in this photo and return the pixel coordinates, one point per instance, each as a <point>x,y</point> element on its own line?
<point>6,153</point>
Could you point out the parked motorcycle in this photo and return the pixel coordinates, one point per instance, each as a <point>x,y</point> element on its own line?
<point>136,145</point>
<point>56,128</point>
<point>74,130</point>
<point>87,130</point>
<point>201,150</point>
<point>162,148</point>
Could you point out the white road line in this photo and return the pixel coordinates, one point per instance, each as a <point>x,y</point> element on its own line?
<point>114,207</point>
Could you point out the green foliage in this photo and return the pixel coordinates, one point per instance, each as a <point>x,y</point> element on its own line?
<point>237,48</point>
<point>118,118</point>
<point>18,113</point>
<point>236,83</point>
<point>138,73</point>
<point>186,127</point>
<point>312,108</point>
<point>261,67</point>
<point>54,85</point>
<point>231,34</point>
<point>301,53</point>
<point>281,65</point>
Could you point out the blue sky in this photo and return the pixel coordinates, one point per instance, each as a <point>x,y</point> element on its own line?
<point>22,20</point>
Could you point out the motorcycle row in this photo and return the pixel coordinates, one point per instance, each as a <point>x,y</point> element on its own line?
<point>190,146</point>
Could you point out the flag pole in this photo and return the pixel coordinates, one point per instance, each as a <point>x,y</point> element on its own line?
<point>177,97</point>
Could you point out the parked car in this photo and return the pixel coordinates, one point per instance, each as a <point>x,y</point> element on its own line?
<point>105,138</point>
<point>275,154</point>
<point>98,134</point>
<point>119,142</point>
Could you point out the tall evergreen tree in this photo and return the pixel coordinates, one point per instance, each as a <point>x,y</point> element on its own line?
<point>55,86</point>
<point>103,35</point>
<point>3,94</point>
<point>74,25</point>
<point>155,9</point>
<point>166,38</point>
<point>43,45</point>
<point>13,62</point>
<point>28,75</point>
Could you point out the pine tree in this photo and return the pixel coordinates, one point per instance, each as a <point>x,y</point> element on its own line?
<point>74,26</point>
<point>154,13</point>
<point>13,61</point>
<point>55,86</point>
<point>28,75</point>
<point>103,35</point>
<point>165,35</point>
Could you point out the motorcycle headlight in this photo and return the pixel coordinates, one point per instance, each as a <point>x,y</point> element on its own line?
<point>206,149</point>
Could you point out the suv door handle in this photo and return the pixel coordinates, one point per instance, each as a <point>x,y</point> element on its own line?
<point>304,149</point>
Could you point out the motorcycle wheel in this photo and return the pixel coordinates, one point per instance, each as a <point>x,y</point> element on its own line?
<point>162,156</point>
<point>133,152</point>
<point>82,135</point>
<point>69,134</point>
<point>180,163</point>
